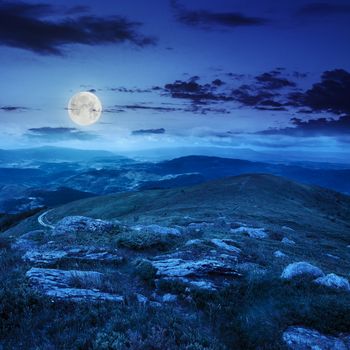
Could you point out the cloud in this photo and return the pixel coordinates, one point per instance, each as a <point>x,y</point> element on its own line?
<point>135,107</point>
<point>13,109</point>
<point>272,80</point>
<point>314,127</point>
<point>27,26</point>
<point>130,91</point>
<point>330,94</point>
<point>323,9</point>
<point>195,91</point>
<point>209,20</point>
<point>148,132</point>
<point>59,134</point>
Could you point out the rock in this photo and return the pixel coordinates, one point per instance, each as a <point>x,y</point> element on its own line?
<point>44,258</point>
<point>301,269</point>
<point>84,254</point>
<point>192,284</point>
<point>286,240</point>
<point>71,225</point>
<point>169,298</point>
<point>226,244</point>
<point>287,228</point>
<point>333,256</point>
<point>202,284</point>
<point>60,284</point>
<point>194,242</point>
<point>155,304</point>
<point>299,338</point>
<point>141,298</point>
<point>251,232</point>
<point>161,230</point>
<point>279,254</point>
<point>172,267</point>
<point>334,281</point>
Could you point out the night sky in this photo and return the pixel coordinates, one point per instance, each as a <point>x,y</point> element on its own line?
<point>269,76</point>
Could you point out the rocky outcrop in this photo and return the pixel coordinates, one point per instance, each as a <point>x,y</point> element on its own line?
<point>226,244</point>
<point>252,232</point>
<point>299,338</point>
<point>172,267</point>
<point>82,254</point>
<point>279,254</point>
<point>301,268</point>
<point>156,229</point>
<point>286,240</point>
<point>71,225</point>
<point>60,284</point>
<point>334,281</point>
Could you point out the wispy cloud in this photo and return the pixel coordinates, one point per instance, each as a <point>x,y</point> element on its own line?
<point>148,132</point>
<point>51,134</point>
<point>13,109</point>
<point>210,20</point>
<point>314,127</point>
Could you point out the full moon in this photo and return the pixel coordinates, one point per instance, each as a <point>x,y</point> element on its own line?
<point>85,108</point>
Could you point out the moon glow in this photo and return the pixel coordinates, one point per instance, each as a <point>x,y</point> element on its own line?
<point>84,108</point>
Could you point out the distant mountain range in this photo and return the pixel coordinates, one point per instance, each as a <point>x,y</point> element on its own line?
<point>52,176</point>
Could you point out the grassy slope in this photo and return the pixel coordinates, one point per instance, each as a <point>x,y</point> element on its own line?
<point>250,314</point>
<point>263,198</point>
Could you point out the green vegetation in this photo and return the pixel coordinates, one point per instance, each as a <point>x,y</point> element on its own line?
<point>250,312</point>
<point>140,240</point>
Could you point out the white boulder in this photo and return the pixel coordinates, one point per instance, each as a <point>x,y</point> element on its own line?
<point>334,281</point>
<point>301,268</point>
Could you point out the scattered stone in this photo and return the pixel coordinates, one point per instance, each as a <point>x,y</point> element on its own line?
<point>172,267</point>
<point>84,254</point>
<point>299,338</point>
<point>155,304</point>
<point>60,284</point>
<point>45,257</point>
<point>161,230</point>
<point>279,254</point>
<point>169,298</point>
<point>333,256</point>
<point>334,281</point>
<point>141,298</point>
<point>194,242</point>
<point>252,232</point>
<point>301,268</point>
<point>192,284</point>
<point>286,240</point>
<point>227,244</point>
<point>71,225</point>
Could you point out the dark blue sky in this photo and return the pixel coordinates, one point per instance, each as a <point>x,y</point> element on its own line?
<point>224,74</point>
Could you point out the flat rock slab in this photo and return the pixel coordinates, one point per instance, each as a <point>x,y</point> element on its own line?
<point>156,229</point>
<point>71,225</point>
<point>85,254</point>
<point>172,267</point>
<point>60,284</point>
<point>252,232</point>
